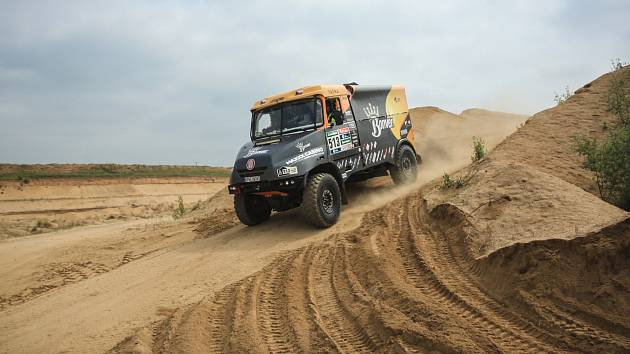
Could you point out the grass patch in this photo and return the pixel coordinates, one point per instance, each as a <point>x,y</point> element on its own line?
<point>26,173</point>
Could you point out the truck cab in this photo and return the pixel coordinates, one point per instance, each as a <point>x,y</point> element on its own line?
<point>307,144</point>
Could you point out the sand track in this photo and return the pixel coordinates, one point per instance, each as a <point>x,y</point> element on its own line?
<point>399,282</point>
<point>398,273</point>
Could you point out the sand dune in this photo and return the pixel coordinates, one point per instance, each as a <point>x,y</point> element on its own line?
<point>523,257</point>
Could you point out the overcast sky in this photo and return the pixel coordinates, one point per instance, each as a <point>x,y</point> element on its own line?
<point>172,81</point>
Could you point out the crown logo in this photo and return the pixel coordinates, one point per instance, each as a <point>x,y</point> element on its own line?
<point>370,110</point>
<point>301,146</point>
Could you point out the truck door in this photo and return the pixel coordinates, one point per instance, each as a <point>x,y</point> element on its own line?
<point>342,136</point>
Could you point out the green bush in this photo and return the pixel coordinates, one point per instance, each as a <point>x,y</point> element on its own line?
<point>447,181</point>
<point>619,97</point>
<point>179,210</point>
<point>610,161</point>
<point>479,149</point>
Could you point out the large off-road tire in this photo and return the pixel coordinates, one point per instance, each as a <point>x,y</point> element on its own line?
<point>406,169</point>
<point>321,203</point>
<point>251,209</point>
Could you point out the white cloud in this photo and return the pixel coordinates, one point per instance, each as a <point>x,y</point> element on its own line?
<point>172,82</point>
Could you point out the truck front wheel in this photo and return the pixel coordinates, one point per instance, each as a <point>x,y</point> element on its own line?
<point>251,209</point>
<point>321,203</point>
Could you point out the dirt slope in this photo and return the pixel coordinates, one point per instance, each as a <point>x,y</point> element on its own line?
<point>544,143</point>
<point>150,270</point>
<point>519,259</point>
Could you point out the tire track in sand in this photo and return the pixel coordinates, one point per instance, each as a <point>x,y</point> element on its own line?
<point>333,314</point>
<point>461,302</point>
<point>396,283</point>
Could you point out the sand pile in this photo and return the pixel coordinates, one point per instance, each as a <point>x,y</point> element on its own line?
<point>532,186</point>
<point>521,258</point>
<point>509,202</point>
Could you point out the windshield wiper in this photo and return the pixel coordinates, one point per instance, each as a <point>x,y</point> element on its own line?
<point>298,130</point>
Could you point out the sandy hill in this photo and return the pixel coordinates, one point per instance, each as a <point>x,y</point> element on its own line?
<point>445,140</point>
<point>532,186</point>
<point>536,234</point>
<point>520,258</point>
<point>544,143</point>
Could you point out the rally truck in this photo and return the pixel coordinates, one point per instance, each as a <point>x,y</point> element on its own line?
<point>308,144</point>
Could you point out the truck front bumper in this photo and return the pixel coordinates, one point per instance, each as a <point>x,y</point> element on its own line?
<point>285,185</point>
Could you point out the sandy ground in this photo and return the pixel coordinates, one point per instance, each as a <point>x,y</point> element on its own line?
<point>47,205</point>
<point>520,258</point>
<point>133,273</point>
<point>408,269</point>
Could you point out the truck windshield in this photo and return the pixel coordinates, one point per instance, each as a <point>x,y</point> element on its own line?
<point>287,118</point>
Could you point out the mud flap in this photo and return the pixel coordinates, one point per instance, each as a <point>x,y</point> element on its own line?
<point>344,195</point>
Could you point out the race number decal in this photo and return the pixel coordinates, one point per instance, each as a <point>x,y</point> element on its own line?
<point>339,140</point>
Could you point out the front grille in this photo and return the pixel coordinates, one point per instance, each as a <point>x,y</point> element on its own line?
<point>256,171</point>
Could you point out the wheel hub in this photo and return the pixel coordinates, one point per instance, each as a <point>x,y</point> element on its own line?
<point>328,201</point>
<point>406,163</point>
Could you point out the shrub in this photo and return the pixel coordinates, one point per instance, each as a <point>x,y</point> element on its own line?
<point>616,64</point>
<point>447,181</point>
<point>179,210</point>
<point>562,97</point>
<point>479,149</point>
<point>610,161</point>
<point>43,223</point>
<point>619,97</point>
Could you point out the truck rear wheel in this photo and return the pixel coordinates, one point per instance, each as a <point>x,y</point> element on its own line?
<point>321,203</point>
<point>251,209</point>
<point>406,169</point>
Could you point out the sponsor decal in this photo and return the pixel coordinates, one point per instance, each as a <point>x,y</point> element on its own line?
<point>250,164</point>
<point>305,155</point>
<point>370,110</point>
<point>287,171</point>
<point>252,179</point>
<point>379,124</point>
<point>301,146</point>
<point>255,151</point>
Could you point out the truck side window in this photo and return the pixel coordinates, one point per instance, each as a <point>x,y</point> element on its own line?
<point>333,108</point>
